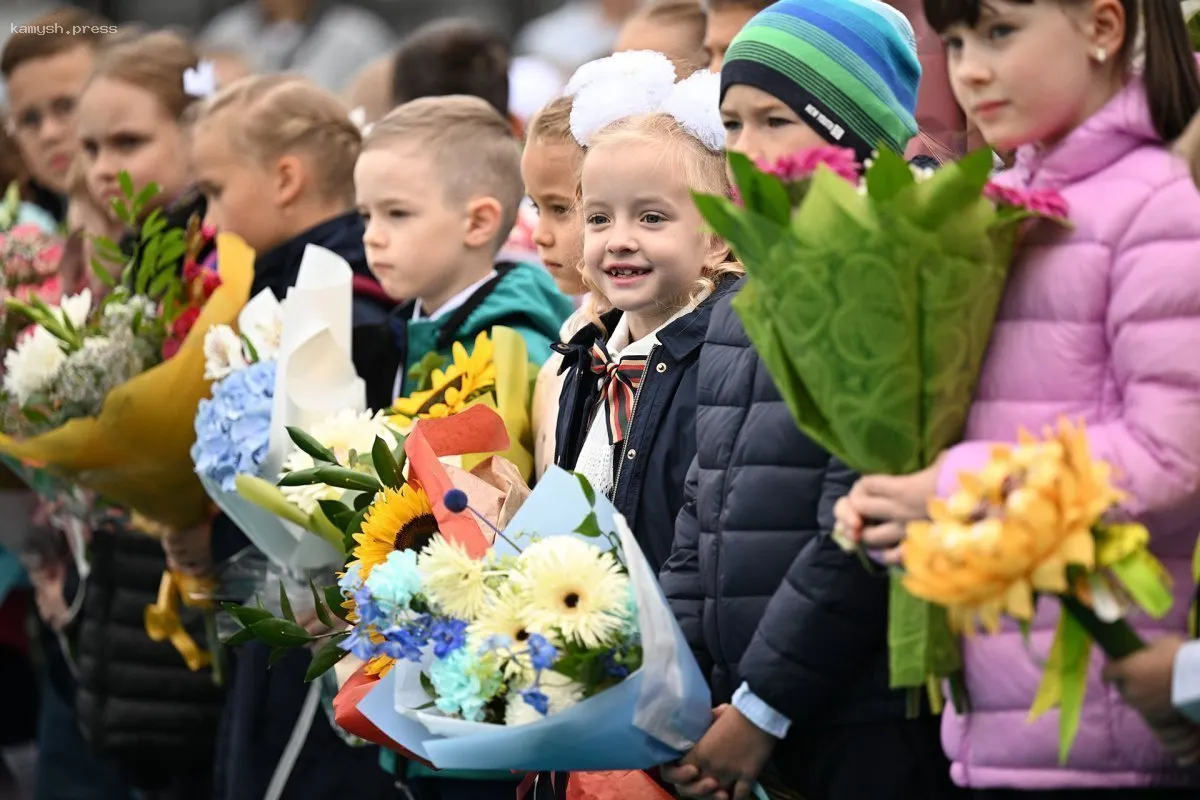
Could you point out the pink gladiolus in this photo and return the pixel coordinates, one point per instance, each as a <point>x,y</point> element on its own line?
<point>804,163</point>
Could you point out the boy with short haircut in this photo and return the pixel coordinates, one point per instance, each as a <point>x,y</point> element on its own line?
<point>439,185</point>
<point>45,64</point>
<point>725,19</point>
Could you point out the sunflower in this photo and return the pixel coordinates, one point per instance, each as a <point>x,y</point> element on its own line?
<point>573,587</point>
<point>397,520</point>
<point>1012,529</point>
<point>453,581</point>
<point>467,378</point>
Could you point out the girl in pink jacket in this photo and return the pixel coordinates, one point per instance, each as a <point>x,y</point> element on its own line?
<point>1100,322</point>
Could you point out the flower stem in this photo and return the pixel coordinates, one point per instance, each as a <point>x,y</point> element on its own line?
<point>1116,639</point>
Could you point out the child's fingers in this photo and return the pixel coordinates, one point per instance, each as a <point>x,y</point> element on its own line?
<point>678,773</point>
<point>883,537</point>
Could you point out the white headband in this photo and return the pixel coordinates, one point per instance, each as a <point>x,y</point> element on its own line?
<point>643,82</point>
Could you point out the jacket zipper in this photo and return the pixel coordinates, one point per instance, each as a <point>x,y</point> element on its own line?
<point>632,412</point>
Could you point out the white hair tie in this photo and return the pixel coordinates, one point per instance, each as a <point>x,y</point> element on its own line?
<point>200,82</point>
<point>643,82</point>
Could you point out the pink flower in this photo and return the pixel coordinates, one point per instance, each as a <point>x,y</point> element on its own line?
<point>208,231</point>
<point>803,164</point>
<point>1004,195</point>
<point>1047,203</point>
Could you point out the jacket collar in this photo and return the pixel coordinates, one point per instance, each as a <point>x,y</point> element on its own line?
<point>1121,126</point>
<point>680,339</point>
<point>278,268</point>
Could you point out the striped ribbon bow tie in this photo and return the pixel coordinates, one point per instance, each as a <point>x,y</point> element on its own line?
<point>619,385</point>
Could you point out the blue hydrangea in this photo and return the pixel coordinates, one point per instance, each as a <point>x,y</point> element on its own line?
<point>394,582</point>
<point>233,429</point>
<point>463,685</point>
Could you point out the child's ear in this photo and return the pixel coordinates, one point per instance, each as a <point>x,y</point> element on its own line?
<point>1106,28</point>
<point>717,253</point>
<point>483,221</point>
<point>290,177</point>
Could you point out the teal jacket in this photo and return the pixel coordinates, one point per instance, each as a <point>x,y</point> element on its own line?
<point>522,297</point>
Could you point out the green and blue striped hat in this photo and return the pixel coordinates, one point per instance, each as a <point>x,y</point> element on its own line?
<point>847,67</point>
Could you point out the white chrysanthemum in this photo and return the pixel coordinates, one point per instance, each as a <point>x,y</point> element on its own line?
<point>695,103</point>
<point>562,692</point>
<point>32,365</point>
<point>573,587</point>
<point>223,354</point>
<point>452,580</point>
<point>76,308</point>
<point>342,432</point>
<point>630,67</point>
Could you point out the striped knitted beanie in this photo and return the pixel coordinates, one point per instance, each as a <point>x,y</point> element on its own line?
<point>847,67</point>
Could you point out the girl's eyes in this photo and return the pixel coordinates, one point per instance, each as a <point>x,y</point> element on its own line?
<point>396,213</point>
<point>732,125</point>
<point>597,219</point>
<point>127,142</point>
<point>561,210</point>
<point>653,218</point>
<point>1000,31</point>
<point>778,122</point>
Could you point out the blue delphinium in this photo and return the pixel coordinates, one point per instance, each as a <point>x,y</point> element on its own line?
<point>233,429</point>
<point>538,699</point>
<point>447,634</point>
<point>542,654</point>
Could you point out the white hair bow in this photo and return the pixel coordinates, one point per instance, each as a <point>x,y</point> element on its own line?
<point>200,82</point>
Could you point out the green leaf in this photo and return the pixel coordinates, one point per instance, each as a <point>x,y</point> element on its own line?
<point>888,176</point>
<point>250,348</point>
<point>588,491</point>
<point>385,465</point>
<point>159,286</point>
<point>321,526</point>
<point>280,633</point>
<point>319,606</point>
<point>286,604</point>
<point>100,270</point>
<point>301,477</point>
<point>334,600</point>
<point>590,526</point>
<point>246,615</point>
<point>143,199</point>
<point>343,478</point>
<point>241,637</point>
<point>421,373</point>
<point>336,512</point>
<point>126,183</point>
<point>1076,652</point>
<point>311,446</point>
<point>761,193</point>
<point>147,262</point>
<point>174,246</point>
<point>363,502</point>
<point>276,655</point>
<point>324,659</point>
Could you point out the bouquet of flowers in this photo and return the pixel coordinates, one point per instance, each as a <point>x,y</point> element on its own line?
<point>104,392</point>
<point>546,646</point>
<point>871,302</point>
<point>29,258</point>
<point>1040,518</point>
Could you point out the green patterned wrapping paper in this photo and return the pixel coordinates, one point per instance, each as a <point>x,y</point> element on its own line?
<point>872,311</point>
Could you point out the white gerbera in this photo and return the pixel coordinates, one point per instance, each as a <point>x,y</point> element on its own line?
<point>341,433</point>
<point>76,308</point>
<point>31,366</point>
<point>561,691</point>
<point>572,586</point>
<point>223,354</point>
<point>453,581</point>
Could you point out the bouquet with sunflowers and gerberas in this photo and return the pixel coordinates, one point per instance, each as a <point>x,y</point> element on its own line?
<point>102,392</point>
<point>1041,517</point>
<point>544,647</point>
<point>871,302</point>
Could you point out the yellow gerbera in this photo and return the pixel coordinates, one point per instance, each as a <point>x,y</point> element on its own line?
<point>397,520</point>
<point>573,587</point>
<point>1011,530</point>
<point>504,617</point>
<point>451,390</point>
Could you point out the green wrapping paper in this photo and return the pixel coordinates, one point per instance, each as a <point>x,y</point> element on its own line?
<point>872,311</point>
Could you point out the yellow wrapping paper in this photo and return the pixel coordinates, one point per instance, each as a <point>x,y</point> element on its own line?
<point>136,452</point>
<point>512,401</point>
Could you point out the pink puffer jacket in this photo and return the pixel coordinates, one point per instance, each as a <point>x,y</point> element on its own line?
<point>1102,323</point>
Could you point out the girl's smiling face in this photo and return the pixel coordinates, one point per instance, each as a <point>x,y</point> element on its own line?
<point>644,241</point>
<point>1030,73</point>
<point>550,171</point>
